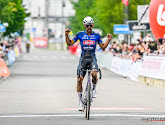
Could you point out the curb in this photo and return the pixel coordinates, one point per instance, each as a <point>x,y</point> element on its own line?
<point>156,83</point>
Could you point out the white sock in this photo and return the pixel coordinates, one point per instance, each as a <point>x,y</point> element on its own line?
<point>94,86</point>
<point>79,96</point>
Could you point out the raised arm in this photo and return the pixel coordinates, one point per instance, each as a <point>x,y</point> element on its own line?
<point>68,41</point>
<point>104,45</point>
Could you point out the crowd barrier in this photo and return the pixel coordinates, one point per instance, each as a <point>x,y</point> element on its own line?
<point>150,71</point>
<point>9,59</point>
<point>4,71</point>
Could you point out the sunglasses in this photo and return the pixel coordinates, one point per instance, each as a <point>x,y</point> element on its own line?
<point>89,25</point>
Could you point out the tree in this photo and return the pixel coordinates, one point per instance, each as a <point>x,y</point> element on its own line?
<point>13,12</point>
<point>83,8</point>
<point>106,13</point>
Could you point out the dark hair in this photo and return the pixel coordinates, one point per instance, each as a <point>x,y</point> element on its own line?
<point>160,40</point>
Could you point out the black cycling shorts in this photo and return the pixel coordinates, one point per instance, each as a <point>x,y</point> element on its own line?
<point>81,65</point>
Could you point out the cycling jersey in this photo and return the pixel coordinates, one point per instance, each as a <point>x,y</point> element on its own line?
<point>88,43</point>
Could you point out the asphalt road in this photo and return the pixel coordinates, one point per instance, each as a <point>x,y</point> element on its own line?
<point>42,91</point>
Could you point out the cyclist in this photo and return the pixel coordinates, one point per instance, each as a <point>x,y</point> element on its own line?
<point>88,41</point>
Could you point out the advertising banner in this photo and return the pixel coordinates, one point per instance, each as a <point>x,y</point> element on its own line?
<point>16,52</point>
<point>40,42</point>
<point>157,18</point>
<point>11,56</point>
<point>151,66</point>
<point>134,70</point>
<point>133,25</point>
<point>121,29</point>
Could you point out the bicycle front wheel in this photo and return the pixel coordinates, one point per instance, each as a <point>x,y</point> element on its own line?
<point>88,101</point>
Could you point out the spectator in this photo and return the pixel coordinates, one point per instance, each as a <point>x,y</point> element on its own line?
<point>124,49</point>
<point>5,45</point>
<point>152,46</point>
<point>1,52</point>
<point>27,46</point>
<point>137,50</point>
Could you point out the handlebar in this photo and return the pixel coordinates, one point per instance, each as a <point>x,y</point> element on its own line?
<point>96,70</point>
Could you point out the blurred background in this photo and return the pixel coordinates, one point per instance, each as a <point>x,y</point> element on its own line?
<point>38,69</point>
<point>48,19</point>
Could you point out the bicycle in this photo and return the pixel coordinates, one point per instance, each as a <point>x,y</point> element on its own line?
<point>86,97</point>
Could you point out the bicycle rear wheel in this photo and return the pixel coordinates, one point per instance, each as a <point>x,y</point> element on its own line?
<point>88,101</point>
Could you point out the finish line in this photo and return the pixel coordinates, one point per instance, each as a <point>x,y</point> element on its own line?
<point>80,115</point>
<point>117,109</point>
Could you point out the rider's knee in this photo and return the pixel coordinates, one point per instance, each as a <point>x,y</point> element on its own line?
<point>79,84</point>
<point>95,79</point>
<point>94,75</point>
<point>80,79</point>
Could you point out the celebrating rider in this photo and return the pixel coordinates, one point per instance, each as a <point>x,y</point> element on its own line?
<point>88,41</point>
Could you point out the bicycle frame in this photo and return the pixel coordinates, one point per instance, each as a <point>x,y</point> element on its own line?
<point>84,101</point>
<point>87,93</point>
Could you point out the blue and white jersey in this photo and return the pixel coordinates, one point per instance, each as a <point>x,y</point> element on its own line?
<point>88,43</point>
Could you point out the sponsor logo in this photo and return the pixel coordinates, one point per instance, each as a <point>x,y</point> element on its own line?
<point>85,37</point>
<point>161,15</point>
<point>88,42</point>
<point>92,37</point>
<point>88,48</point>
<point>40,42</point>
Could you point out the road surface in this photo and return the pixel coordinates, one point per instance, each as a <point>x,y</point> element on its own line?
<point>42,91</point>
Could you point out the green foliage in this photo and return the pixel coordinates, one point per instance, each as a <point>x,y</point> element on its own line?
<point>106,13</point>
<point>83,9</point>
<point>12,12</point>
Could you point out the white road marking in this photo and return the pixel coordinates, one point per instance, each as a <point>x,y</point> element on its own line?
<point>118,108</point>
<point>82,115</point>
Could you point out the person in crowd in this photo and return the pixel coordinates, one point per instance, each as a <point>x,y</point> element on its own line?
<point>124,49</point>
<point>114,48</point>
<point>148,37</point>
<point>1,52</point>
<point>140,39</point>
<point>152,46</point>
<point>161,50</point>
<point>27,46</point>
<point>5,45</point>
<point>130,51</point>
<point>138,49</point>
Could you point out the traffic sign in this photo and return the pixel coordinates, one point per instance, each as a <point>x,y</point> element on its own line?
<point>2,28</point>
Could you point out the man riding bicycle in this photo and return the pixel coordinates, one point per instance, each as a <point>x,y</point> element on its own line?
<point>88,41</point>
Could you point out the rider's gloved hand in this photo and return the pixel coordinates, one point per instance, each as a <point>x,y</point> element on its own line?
<point>109,36</point>
<point>67,31</point>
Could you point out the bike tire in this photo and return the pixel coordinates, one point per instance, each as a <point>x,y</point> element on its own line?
<point>89,100</point>
<point>85,111</point>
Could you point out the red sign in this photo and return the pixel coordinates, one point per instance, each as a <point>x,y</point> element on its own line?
<point>88,42</point>
<point>157,18</point>
<point>125,2</point>
<point>40,42</point>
